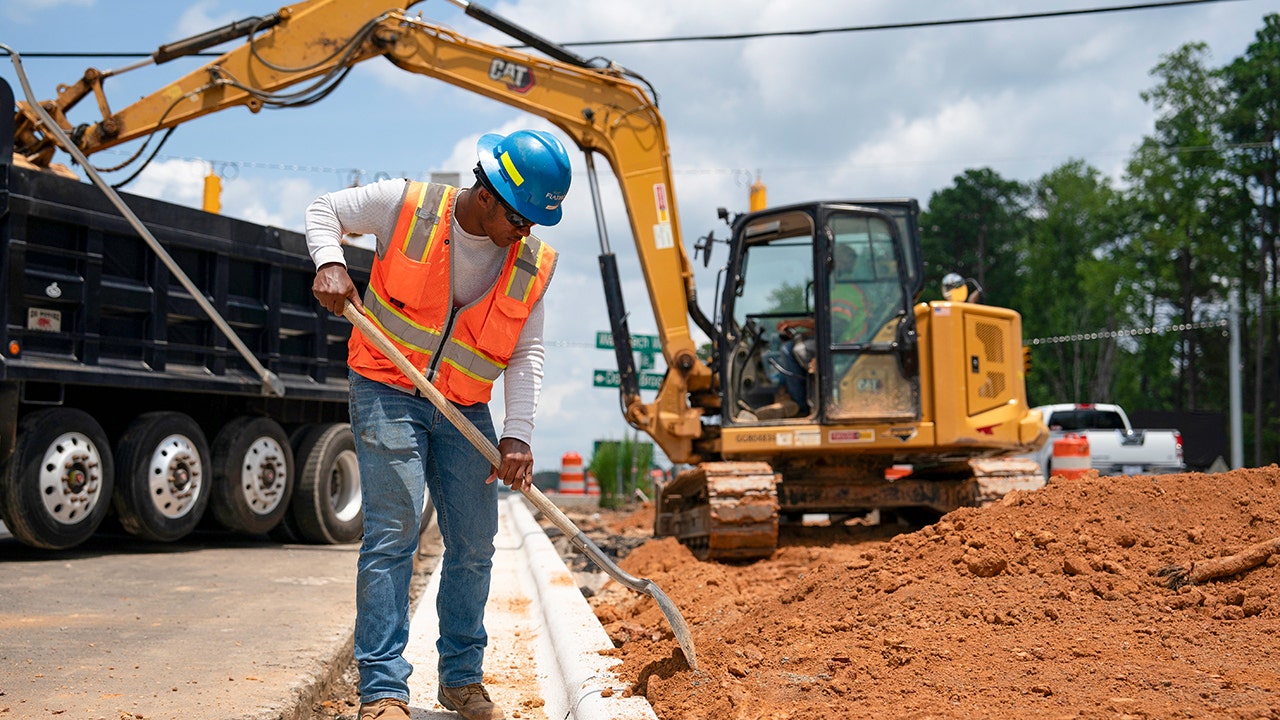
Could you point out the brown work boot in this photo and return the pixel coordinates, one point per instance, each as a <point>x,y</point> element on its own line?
<point>385,709</point>
<point>471,702</point>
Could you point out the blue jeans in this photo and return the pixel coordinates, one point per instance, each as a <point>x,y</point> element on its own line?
<point>405,444</point>
<point>795,377</point>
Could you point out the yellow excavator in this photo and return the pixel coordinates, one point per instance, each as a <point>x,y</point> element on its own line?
<point>825,386</point>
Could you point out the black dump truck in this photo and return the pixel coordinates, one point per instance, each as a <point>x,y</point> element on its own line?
<point>120,396</point>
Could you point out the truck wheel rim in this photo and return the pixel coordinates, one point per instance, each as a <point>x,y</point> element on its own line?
<point>263,475</point>
<point>175,476</point>
<point>344,486</point>
<point>71,478</point>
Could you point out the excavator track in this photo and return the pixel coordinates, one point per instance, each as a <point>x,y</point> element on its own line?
<point>722,510</point>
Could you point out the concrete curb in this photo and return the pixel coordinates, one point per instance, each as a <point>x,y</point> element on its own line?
<point>544,654</point>
<point>583,686</point>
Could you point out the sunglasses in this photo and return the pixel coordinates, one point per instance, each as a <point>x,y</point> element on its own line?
<point>517,220</point>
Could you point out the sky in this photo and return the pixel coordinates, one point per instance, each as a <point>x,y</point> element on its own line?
<point>886,113</point>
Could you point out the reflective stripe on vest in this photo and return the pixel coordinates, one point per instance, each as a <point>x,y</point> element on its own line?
<point>431,212</point>
<point>422,235</point>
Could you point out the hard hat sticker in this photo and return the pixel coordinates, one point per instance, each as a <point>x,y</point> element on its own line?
<point>516,178</point>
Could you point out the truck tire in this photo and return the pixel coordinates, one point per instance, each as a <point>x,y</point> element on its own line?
<point>252,475</point>
<point>56,488</point>
<point>287,531</point>
<point>164,481</point>
<point>326,506</point>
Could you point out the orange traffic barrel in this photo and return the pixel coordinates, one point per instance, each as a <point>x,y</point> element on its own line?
<point>1071,457</point>
<point>571,481</point>
<point>593,487</point>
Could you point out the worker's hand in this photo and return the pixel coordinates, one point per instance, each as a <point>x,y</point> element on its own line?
<point>516,470</point>
<point>333,288</point>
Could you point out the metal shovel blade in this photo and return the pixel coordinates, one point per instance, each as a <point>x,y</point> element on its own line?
<point>678,625</point>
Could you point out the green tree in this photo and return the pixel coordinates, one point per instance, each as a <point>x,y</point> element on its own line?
<point>1183,194</point>
<point>787,297</point>
<point>1069,287</point>
<point>621,467</point>
<point>973,228</point>
<point>1252,125</point>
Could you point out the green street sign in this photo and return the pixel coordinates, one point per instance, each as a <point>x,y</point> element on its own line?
<point>639,343</point>
<point>611,379</point>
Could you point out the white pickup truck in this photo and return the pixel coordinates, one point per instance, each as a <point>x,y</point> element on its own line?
<point>1115,448</point>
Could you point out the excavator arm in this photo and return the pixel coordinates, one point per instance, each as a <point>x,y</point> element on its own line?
<point>298,54</point>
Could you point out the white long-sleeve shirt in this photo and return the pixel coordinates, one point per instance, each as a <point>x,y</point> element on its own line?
<point>372,210</point>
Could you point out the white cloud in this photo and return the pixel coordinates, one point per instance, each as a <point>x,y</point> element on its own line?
<point>203,16</point>
<point>279,202</point>
<point>175,181</point>
<point>29,12</point>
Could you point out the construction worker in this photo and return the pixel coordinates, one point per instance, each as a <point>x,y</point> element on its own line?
<point>848,324</point>
<point>456,284</point>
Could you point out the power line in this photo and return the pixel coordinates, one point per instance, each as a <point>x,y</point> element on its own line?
<point>903,25</point>
<point>770,34</point>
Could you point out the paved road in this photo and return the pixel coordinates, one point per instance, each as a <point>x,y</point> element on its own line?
<point>214,627</point>
<point>226,627</point>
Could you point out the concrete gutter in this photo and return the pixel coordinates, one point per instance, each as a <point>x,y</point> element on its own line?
<point>540,624</point>
<point>585,679</point>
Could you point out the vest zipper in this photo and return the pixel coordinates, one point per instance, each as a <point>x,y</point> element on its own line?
<point>445,333</point>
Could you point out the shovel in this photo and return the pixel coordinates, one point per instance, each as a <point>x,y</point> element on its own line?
<point>540,501</point>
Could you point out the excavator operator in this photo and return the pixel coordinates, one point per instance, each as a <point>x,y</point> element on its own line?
<point>848,324</point>
<point>456,284</point>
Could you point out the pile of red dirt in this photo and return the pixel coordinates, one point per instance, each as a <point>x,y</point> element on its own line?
<point>1054,603</point>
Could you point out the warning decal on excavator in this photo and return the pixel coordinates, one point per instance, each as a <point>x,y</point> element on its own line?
<point>660,201</point>
<point>808,437</point>
<point>852,436</point>
<point>663,239</point>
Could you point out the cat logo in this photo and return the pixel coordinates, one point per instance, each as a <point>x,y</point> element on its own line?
<point>516,76</point>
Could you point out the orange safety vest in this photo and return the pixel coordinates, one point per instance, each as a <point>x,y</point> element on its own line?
<point>462,350</point>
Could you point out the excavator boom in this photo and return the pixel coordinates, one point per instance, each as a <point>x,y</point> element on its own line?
<point>298,55</point>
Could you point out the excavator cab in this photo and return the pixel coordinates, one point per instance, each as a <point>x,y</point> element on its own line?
<point>818,317</point>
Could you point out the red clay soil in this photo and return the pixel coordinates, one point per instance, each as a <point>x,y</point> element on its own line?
<point>1047,604</point>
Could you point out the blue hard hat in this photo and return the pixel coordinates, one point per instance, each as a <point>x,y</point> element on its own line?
<point>529,169</point>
